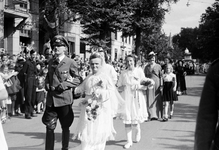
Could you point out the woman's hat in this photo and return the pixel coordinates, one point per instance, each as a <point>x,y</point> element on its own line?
<point>152,53</point>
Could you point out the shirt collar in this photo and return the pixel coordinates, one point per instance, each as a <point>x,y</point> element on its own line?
<point>61,58</point>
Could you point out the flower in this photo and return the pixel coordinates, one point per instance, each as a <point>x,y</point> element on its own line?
<point>93,107</point>
<point>94,104</point>
<point>89,101</point>
<point>97,94</point>
<point>147,82</point>
<point>92,110</point>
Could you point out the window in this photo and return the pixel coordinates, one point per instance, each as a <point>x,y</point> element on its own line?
<point>23,6</point>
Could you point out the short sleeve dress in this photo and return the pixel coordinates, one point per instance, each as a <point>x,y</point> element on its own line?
<point>135,104</point>
<point>169,89</point>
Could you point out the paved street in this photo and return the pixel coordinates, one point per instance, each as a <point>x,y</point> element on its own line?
<point>176,134</point>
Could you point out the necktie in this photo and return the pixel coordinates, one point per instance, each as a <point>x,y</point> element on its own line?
<point>57,60</point>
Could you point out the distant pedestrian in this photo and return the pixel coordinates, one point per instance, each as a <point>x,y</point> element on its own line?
<point>180,76</point>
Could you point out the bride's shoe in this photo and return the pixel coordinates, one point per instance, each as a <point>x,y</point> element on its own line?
<point>127,145</point>
<point>137,138</point>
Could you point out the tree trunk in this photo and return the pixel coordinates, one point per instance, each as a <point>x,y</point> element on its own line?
<point>138,41</point>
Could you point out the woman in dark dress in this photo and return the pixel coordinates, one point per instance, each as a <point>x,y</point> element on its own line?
<point>180,78</point>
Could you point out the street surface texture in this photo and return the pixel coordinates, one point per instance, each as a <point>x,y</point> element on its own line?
<point>176,134</point>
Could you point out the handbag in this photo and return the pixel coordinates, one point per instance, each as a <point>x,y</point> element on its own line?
<point>15,86</point>
<point>3,94</point>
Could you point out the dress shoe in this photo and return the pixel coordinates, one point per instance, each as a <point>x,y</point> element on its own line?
<point>137,138</point>
<point>170,117</point>
<point>28,117</point>
<point>165,119</point>
<point>33,115</point>
<point>18,114</point>
<point>127,145</point>
<point>154,119</point>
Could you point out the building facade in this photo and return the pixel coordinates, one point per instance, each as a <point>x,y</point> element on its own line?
<point>19,26</point>
<point>121,46</point>
<point>19,29</point>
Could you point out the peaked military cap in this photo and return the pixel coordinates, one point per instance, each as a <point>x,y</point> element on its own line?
<point>59,40</point>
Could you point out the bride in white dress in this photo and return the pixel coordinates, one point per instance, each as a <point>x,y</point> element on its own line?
<point>95,124</point>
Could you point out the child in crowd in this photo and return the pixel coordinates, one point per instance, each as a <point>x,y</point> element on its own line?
<point>169,91</point>
<point>13,89</point>
<point>40,88</point>
<point>6,75</point>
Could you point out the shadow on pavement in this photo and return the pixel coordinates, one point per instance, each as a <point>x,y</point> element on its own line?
<point>185,113</point>
<point>39,135</point>
<point>177,147</point>
<point>116,143</point>
<point>194,91</point>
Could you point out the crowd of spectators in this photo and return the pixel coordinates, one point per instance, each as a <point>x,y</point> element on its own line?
<point>12,65</point>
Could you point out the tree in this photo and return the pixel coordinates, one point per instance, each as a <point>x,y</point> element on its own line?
<point>188,38</point>
<point>98,19</point>
<point>202,41</point>
<point>209,33</point>
<point>146,17</point>
<point>53,14</point>
<point>101,17</point>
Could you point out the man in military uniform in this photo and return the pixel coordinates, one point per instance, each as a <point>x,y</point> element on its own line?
<point>29,71</point>
<point>62,76</point>
<point>207,131</point>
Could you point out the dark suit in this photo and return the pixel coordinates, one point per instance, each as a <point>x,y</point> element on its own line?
<point>59,99</point>
<point>207,130</point>
<point>29,71</point>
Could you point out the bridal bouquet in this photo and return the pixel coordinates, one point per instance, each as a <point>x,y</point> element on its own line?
<point>94,103</point>
<point>92,109</point>
<point>147,82</point>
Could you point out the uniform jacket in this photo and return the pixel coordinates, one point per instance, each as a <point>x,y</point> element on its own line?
<point>59,89</point>
<point>29,68</point>
<point>207,119</point>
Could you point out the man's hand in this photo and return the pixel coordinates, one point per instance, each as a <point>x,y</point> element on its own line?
<point>76,81</point>
<point>59,88</point>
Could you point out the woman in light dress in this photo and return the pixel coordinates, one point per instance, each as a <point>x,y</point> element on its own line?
<point>3,143</point>
<point>95,125</point>
<point>131,86</point>
<point>154,98</point>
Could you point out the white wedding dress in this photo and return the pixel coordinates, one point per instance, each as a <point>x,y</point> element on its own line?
<point>94,133</point>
